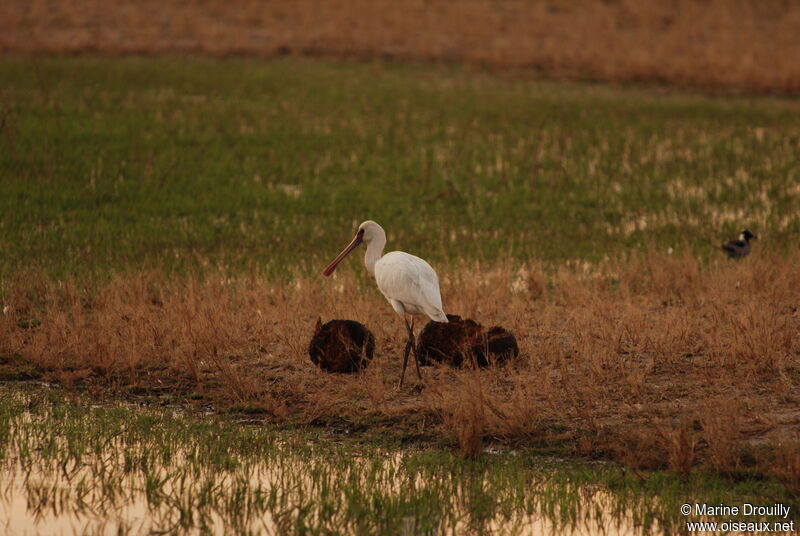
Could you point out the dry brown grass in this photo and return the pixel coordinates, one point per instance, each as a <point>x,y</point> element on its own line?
<point>786,465</point>
<point>721,422</point>
<point>680,442</point>
<point>749,44</point>
<point>462,409</point>
<point>659,362</point>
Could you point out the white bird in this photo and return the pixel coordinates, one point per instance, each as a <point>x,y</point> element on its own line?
<point>408,282</point>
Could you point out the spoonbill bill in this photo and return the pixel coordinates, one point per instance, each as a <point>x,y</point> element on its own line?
<point>407,282</point>
<point>736,249</point>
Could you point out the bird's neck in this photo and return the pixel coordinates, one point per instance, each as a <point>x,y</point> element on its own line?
<point>374,253</point>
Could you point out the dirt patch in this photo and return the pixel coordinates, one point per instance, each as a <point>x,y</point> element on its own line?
<point>342,346</point>
<point>17,368</point>
<point>464,342</point>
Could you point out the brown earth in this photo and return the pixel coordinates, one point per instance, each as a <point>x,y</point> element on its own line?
<point>343,346</point>
<point>462,342</point>
<point>752,45</point>
<point>660,362</point>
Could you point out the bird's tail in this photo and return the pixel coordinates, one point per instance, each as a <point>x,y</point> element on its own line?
<point>438,316</point>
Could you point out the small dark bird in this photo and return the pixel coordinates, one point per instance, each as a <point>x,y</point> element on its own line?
<point>736,249</point>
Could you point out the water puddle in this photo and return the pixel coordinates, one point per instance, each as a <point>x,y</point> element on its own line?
<point>105,495</point>
<point>75,470</point>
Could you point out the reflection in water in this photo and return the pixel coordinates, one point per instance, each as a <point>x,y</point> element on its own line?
<point>48,500</point>
<point>69,470</point>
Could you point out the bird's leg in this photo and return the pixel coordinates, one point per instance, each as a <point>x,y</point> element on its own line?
<point>414,348</point>
<point>409,346</point>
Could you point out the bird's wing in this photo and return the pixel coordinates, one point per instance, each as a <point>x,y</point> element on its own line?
<point>410,280</point>
<point>734,246</point>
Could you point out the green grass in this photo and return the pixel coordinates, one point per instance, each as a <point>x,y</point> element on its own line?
<point>111,164</point>
<point>88,462</point>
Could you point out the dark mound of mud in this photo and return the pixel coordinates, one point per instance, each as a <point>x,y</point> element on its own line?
<point>463,342</point>
<point>343,346</point>
<point>447,343</point>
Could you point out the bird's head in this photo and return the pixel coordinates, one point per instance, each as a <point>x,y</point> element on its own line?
<point>747,235</point>
<point>367,232</point>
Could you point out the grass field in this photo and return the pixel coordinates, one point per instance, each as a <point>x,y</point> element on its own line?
<point>163,223</point>
<point>174,163</point>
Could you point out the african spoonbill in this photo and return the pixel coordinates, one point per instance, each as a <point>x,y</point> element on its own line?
<point>408,282</point>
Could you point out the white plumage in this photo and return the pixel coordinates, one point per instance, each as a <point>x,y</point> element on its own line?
<point>407,282</point>
<point>410,285</point>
